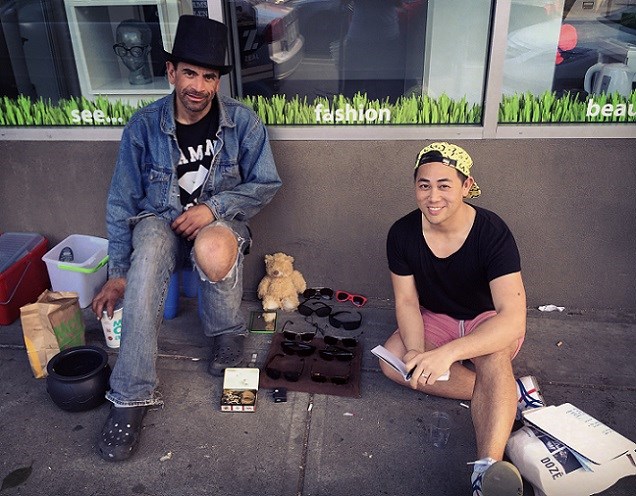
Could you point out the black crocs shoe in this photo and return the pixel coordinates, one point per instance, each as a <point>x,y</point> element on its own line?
<point>120,435</point>
<point>227,351</point>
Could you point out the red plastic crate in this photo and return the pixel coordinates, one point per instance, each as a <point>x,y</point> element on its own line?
<point>23,274</point>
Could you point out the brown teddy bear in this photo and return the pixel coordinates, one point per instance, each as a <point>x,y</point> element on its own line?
<point>281,284</point>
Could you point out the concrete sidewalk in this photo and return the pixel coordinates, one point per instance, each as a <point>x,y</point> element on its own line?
<point>312,444</point>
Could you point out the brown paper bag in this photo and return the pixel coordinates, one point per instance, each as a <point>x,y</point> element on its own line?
<point>51,324</point>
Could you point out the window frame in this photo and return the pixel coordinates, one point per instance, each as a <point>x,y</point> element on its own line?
<point>490,128</point>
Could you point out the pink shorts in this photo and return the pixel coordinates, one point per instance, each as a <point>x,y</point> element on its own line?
<point>440,329</point>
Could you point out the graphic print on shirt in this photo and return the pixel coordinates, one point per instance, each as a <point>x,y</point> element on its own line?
<point>197,150</point>
<point>193,168</point>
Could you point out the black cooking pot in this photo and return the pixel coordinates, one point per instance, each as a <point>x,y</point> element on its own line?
<point>78,378</point>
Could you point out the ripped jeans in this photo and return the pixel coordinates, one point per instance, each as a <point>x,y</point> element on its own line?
<point>157,251</point>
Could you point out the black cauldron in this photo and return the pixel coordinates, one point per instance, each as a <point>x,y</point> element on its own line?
<point>78,378</point>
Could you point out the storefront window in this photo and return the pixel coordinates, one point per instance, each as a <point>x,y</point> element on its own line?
<point>370,62</point>
<point>570,61</point>
<point>326,62</point>
<point>318,62</point>
<point>84,62</point>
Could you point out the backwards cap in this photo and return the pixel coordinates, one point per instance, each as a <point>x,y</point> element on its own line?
<point>451,155</point>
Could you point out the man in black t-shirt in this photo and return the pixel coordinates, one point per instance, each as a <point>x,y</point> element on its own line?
<point>459,295</point>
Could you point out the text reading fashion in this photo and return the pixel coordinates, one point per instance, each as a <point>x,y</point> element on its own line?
<point>350,114</point>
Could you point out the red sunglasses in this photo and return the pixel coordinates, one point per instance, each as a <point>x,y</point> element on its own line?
<point>357,300</point>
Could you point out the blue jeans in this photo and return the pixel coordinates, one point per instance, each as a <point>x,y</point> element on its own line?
<point>157,251</point>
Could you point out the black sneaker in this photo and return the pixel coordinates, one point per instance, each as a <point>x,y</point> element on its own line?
<point>66,255</point>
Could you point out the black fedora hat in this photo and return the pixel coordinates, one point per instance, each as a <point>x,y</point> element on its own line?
<point>200,41</point>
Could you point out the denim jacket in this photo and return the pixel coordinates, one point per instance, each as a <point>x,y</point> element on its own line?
<point>242,178</point>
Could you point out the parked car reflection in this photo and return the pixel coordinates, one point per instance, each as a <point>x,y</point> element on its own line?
<point>270,43</point>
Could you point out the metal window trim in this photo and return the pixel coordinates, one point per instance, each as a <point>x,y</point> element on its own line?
<point>357,133</point>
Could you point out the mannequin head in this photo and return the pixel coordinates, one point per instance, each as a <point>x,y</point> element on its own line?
<point>133,46</point>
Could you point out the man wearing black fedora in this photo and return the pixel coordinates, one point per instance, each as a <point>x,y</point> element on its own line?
<point>193,168</point>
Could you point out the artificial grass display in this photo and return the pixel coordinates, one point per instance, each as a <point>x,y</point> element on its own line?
<point>548,108</point>
<point>339,110</point>
<point>22,111</point>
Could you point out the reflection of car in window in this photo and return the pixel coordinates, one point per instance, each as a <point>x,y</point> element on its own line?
<point>270,44</point>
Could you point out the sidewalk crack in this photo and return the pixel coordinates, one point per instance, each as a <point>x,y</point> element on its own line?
<point>305,450</point>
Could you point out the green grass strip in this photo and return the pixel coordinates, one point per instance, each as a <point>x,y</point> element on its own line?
<point>279,110</point>
<point>76,111</point>
<point>602,108</point>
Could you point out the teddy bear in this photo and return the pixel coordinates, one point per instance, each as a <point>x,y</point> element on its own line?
<point>281,285</point>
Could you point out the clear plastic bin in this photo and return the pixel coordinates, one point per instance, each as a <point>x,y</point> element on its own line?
<point>86,274</point>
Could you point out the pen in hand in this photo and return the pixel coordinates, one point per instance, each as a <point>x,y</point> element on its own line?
<point>410,373</point>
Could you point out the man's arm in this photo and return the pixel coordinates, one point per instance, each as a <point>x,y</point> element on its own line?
<point>407,312</point>
<point>125,193</point>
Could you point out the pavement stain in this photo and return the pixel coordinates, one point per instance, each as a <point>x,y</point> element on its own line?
<point>16,477</point>
<point>139,489</point>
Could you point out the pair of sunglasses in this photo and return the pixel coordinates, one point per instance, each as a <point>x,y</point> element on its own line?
<point>346,342</point>
<point>336,353</point>
<point>292,335</point>
<point>309,307</point>
<point>297,348</point>
<point>324,293</point>
<point>289,375</point>
<point>336,320</point>
<point>339,379</point>
<point>356,299</point>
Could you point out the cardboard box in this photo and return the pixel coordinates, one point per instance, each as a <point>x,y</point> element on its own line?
<point>240,390</point>
<point>23,275</point>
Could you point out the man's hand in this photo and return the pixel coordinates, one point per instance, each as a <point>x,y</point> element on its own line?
<point>112,291</point>
<point>428,365</point>
<point>190,222</point>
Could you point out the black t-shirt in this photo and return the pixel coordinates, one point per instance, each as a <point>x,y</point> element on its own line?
<point>196,142</point>
<point>457,285</point>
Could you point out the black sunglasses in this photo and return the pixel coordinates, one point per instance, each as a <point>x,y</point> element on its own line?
<point>324,293</point>
<point>297,348</point>
<point>292,335</point>
<point>339,379</point>
<point>347,324</point>
<point>346,342</point>
<point>308,307</point>
<point>336,353</point>
<point>289,375</point>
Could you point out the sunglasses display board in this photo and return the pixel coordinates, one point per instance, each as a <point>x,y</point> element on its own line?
<point>312,366</point>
